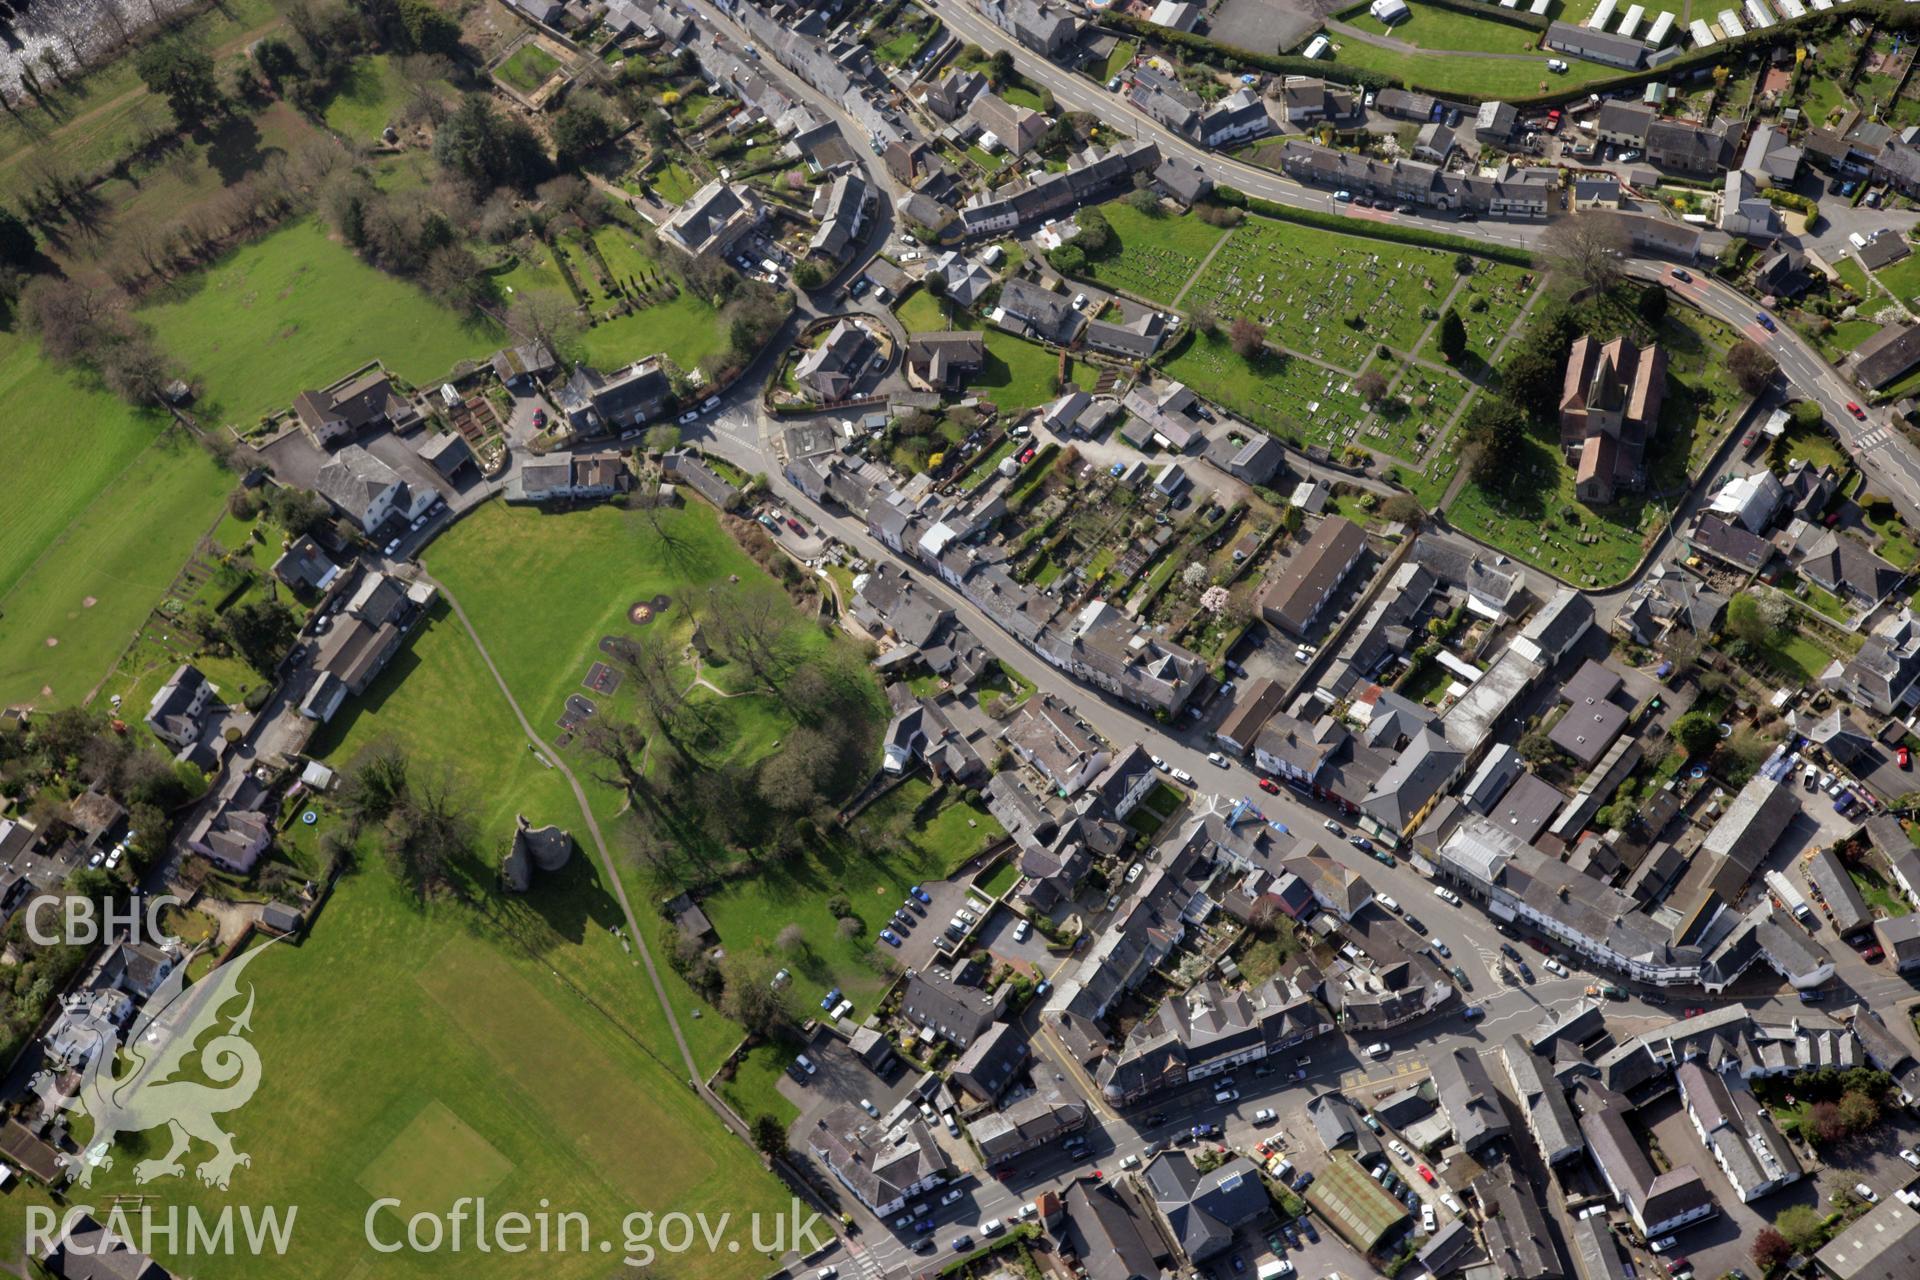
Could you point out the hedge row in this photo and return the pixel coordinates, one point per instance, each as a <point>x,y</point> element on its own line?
<point>1369,229</point>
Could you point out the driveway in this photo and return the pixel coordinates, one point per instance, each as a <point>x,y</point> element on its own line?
<point>997,937</point>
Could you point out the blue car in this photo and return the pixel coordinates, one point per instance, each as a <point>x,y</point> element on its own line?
<point>889,937</point>
<point>920,893</point>
<point>1765,321</point>
<point>830,999</point>
<point>1473,1013</point>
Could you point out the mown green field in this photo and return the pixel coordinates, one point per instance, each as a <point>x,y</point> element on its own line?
<point>99,506</point>
<point>297,310</point>
<point>458,1050</point>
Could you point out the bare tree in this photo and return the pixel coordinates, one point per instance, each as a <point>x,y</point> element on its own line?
<point>756,627</point>
<point>620,746</point>
<point>1589,247</point>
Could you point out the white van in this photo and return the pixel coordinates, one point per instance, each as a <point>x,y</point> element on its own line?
<point>1388,902</point>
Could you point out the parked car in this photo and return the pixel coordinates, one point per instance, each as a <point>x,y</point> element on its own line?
<point>1446,895</point>
<point>1361,843</point>
<point>866,1105</point>
<point>1413,923</point>
<point>1663,1244</point>
<point>1444,951</point>
<point>1334,827</point>
<point>1765,321</point>
<point>1866,1193</point>
<point>1907,1154</point>
<point>920,893</point>
<point>1265,1115</point>
<point>1387,903</point>
<point>960,1244</point>
<point>1215,758</point>
<point>1182,776</point>
<point>1272,788</point>
<point>1227,1095</point>
<point>1379,1049</point>
<point>1554,967</point>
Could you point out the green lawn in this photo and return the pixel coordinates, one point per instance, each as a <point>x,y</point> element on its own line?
<point>1431,27</point>
<point>1003,878</point>
<point>685,327</point>
<point>1153,258</point>
<point>1120,59</point>
<point>1481,77</point>
<point>528,68</point>
<point>1902,280</point>
<point>921,312</point>
<point>674,182</point>
<point>1018,374</point>
<point>99,506</point>
<point>297,310</point>
<point>371,94</point>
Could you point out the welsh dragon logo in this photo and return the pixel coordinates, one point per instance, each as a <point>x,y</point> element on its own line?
<point>164,1036</point>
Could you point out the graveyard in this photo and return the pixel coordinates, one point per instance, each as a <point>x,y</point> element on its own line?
<point>1332,307</point>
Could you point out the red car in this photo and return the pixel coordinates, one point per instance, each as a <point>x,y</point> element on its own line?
<point>796,526</point>
<point>1272,788</point>
<point>1904,757</point>
<point>1858,413</point>
<point>1428,1175</point>
<point>1693,1013</point>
